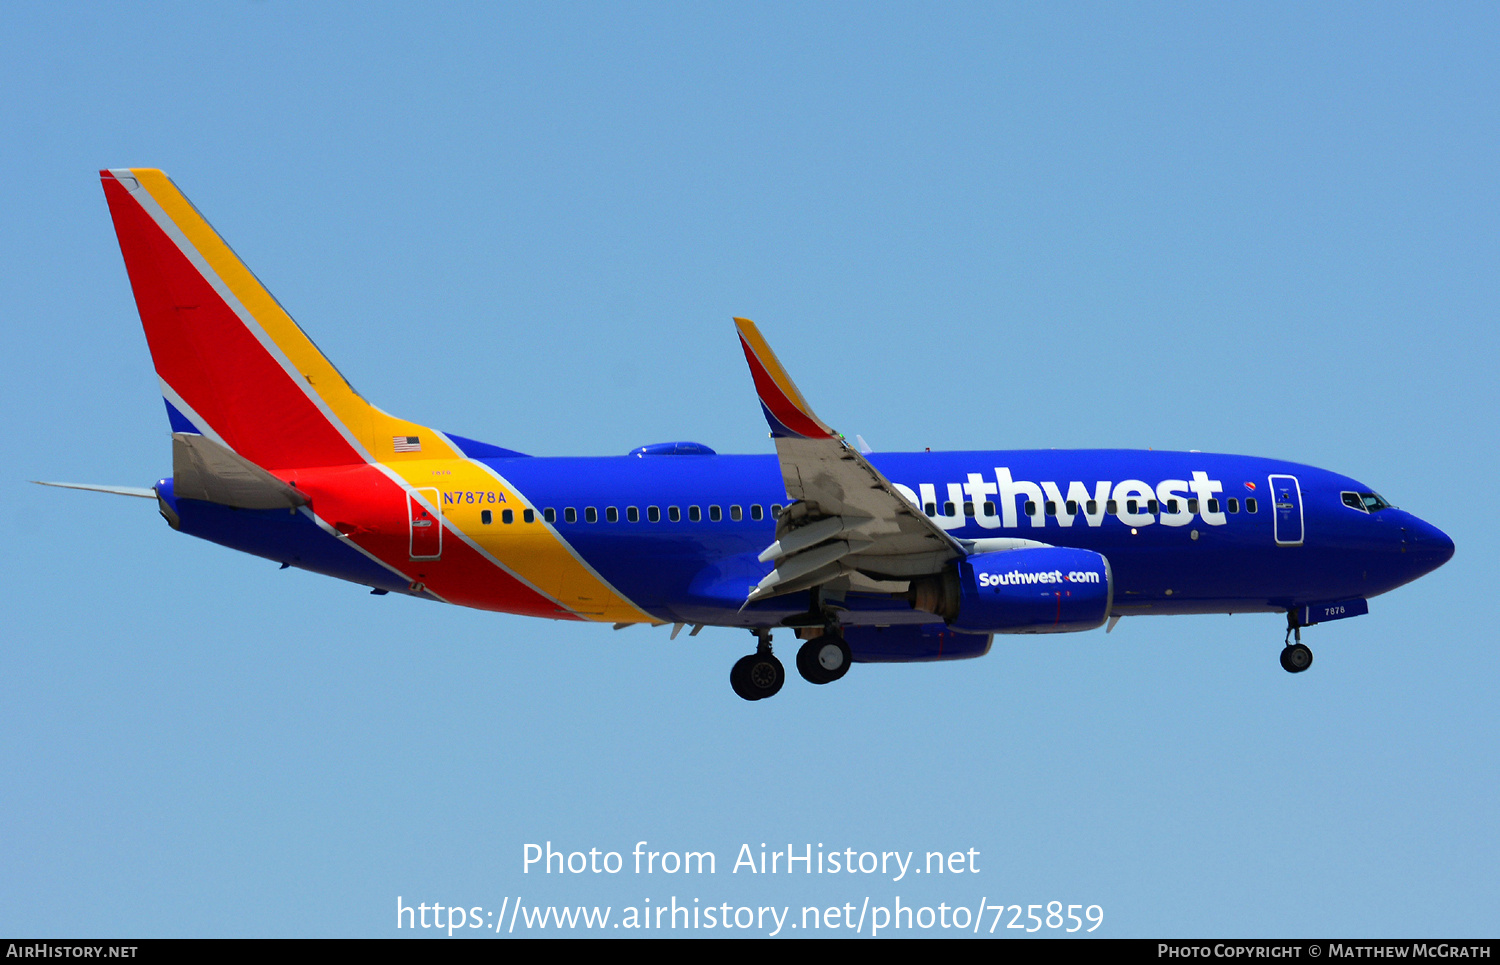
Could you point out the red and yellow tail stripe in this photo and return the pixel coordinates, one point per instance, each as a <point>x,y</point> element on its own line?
<point>235,364</point>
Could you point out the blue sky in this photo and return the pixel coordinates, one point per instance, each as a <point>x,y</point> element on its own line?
<point>1266,229</point>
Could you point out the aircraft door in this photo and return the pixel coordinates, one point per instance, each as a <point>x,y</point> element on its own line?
<point>1286,510</point>
<point>426,528</point>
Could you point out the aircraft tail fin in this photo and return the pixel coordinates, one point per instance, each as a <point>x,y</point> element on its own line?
<point>234,366</point>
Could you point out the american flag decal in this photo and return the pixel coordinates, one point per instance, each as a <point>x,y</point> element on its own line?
<point>407,443</point>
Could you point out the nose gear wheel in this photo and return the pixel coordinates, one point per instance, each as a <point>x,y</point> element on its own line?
<point>1296,658</point>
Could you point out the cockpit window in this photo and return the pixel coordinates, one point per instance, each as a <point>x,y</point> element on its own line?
<point>1365,502</point>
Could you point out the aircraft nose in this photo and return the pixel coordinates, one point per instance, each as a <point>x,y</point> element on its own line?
<point>1426,545</point>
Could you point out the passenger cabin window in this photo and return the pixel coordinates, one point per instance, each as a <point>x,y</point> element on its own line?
<point>1234,505</point>
<point>507,516</point>
<point>486,517</point>
<point>1072,505</point>
<point>591,515</point>
<point>930,509</point>
<point>989,508</point>
<point>633,514</point>
<point>968,509</point>
<point>755,511</point>
<point>775,510</point>
<point>653,513</point>
<point>1091,507</point>
<point>1249,504</point>
<point>1051,507</point>
<point>674,514</point>
<point>715,514</point>
<point>1030,508</point>
<point>695,514</point>
<point>528,516</point>
<point>1213,505</point>
<point>1112,507</point>
<point>549,514</point>
<point>1172,506</point>
<point>1192,505</point>
<point>1131,506</point>
<point>1153,507</point>
<point>735,513</point>
<point>612,515</point>
<point>570,514</point>
<point>947,509</point>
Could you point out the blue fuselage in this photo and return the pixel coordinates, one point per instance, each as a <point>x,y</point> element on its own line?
<point>1183,532</point>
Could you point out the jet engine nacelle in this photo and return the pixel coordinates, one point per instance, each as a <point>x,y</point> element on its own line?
<point>1051,589</point>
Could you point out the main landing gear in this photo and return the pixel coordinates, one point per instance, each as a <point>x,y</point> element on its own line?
<point>821,660</point>
<point>824,659</point>
<point>760,674</point>
<point>1295,657</point>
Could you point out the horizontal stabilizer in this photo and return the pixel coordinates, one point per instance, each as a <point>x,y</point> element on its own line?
<point>204,469</point>
<point>117,490</point>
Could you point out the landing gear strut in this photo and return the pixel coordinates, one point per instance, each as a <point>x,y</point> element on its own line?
<point>760,674</point>
<point>1295,657</point>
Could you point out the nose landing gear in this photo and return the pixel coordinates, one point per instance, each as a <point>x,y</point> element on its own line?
<point>1295,657</point>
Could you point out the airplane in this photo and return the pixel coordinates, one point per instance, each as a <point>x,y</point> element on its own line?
<point>866,557</point>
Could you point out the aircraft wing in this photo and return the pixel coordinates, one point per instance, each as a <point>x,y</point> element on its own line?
<point>847,523</point>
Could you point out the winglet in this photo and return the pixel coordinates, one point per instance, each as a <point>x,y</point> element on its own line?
<point>786,411</point>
